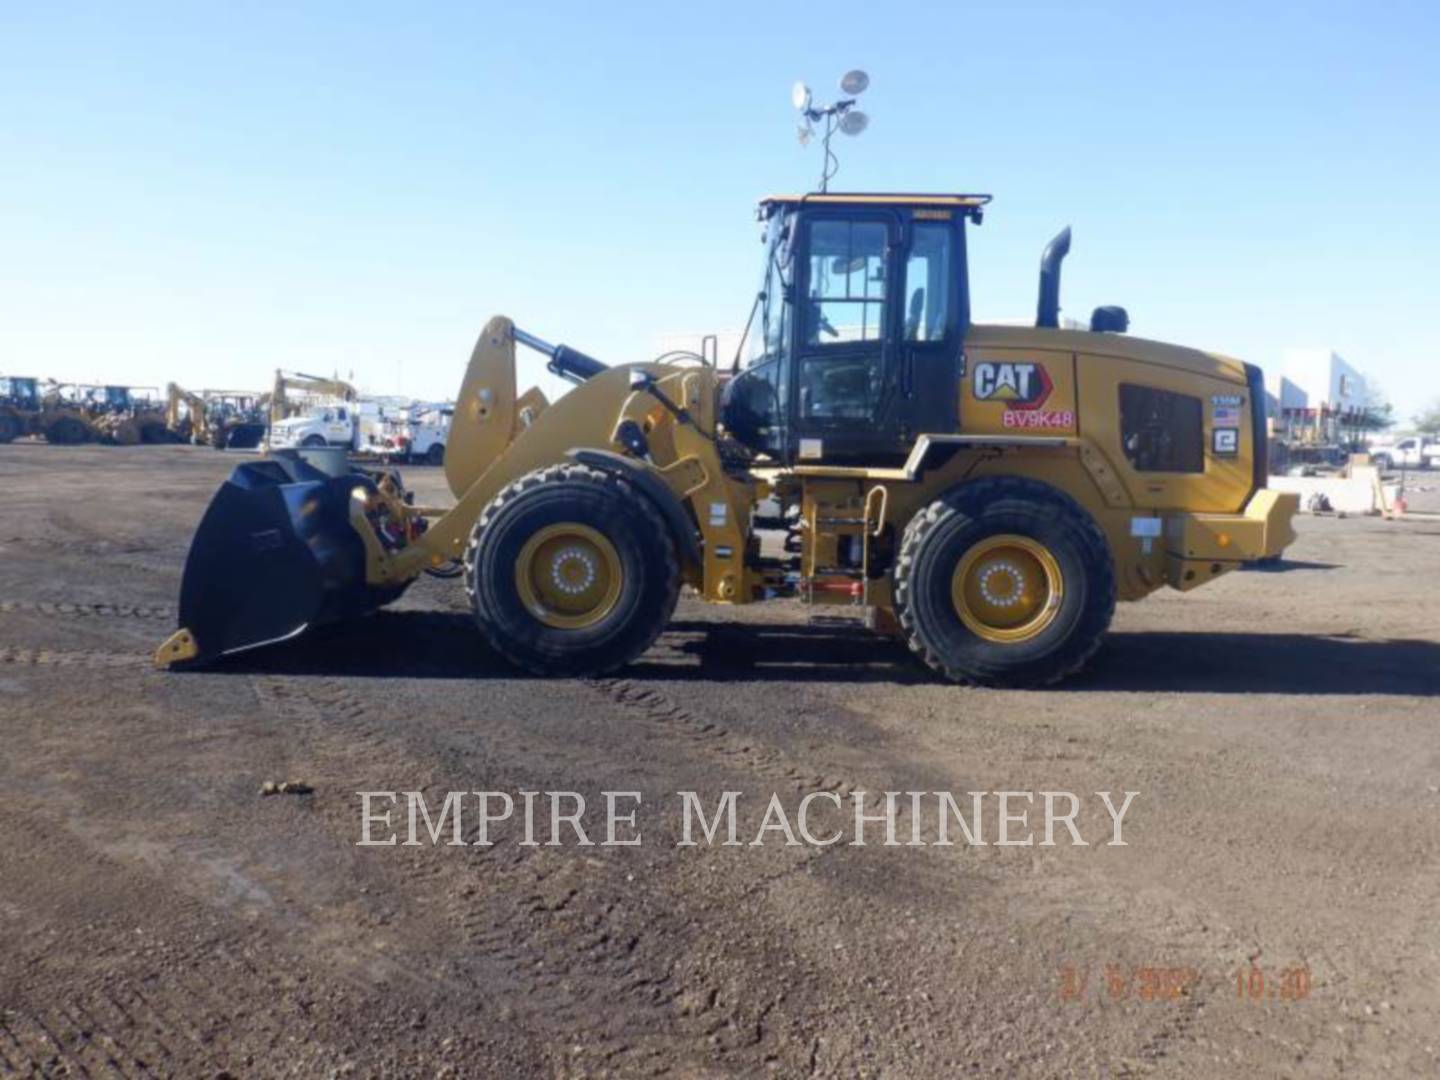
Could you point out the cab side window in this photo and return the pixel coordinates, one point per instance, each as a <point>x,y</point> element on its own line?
<point>1162,431</point>
<point>928,283</point>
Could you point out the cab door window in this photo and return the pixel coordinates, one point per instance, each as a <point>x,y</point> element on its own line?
<point>840,373</point>
<point>847,282</point>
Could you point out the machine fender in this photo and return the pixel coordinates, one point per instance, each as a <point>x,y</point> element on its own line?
<point>681,527</point>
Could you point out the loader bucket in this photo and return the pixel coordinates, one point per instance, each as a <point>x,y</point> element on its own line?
<point>274,555</point>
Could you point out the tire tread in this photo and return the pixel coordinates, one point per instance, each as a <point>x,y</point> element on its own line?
<point>985,494</point>
<point>571,473</point>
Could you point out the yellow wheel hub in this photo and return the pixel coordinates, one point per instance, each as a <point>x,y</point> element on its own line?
<point>1007,588</point>
<point>569,576</point>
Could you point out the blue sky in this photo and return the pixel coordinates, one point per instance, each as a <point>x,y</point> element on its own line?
<point>205,191</point>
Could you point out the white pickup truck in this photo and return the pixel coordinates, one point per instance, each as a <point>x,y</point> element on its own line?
<point>1413,452</point>
<point>346,425</point>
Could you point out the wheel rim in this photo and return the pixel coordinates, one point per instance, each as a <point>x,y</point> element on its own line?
<point>569,576</point>
<point>1007,588</point>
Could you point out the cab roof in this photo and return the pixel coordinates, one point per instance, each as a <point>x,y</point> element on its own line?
<point>968,204</point>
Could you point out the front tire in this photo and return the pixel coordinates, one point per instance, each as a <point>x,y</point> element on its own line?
<point>1004,582</point>
<point>571,571</point>
<point>67,431</point>
<point>313,441</point>
<point>436,454</point>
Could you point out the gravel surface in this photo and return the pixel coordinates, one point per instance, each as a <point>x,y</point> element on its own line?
<point>181,890</point>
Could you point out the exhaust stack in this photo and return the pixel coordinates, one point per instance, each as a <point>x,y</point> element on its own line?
<point>1048,311</point>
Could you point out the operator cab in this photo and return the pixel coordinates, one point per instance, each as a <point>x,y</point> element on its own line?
<point>108,399</point>
<point>22,392</point>
<point>860,322</point>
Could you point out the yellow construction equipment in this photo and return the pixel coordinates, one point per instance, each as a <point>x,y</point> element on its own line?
<point>20,407</point>
<point>120,415</point>
<point>185,414</point>
<point>283,405</point>
<point>62,419</point>
<point>68,413</point>
<point>238,419</point>
<point>219,418</point>
<point>986,493</point>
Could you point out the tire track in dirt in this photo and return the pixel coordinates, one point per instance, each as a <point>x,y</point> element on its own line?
<point>144,559</point>
<point>1365,1028</point>
<point>664,714</point>
<point>514,915</point>
<point>93,659</point>
<point>86,610</point>
<point>568,941</point>
<point>39,1051</point>
<point>177,1024</point>
<point>69,1040</point>
<point>158,991</point>
<point>661,712</point>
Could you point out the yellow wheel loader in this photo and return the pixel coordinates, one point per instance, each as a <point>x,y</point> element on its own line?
<point>237,419</point>
<point>986,493</point>
<point>223,419</point>
<point>63,419</point>
<point>119,416</point>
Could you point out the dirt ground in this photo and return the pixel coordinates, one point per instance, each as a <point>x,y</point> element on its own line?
<point>159,916</point>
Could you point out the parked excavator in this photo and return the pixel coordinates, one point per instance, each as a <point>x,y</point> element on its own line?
<point>283,400</point>
<point>185,414</point>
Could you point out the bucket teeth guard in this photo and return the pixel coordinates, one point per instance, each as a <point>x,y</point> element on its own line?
<point>274,555</point>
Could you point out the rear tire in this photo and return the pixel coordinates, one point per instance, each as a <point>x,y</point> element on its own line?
<point>571,571</point>
<point>154,433</point>
<point>9,428</point>
<point>1004,582</point>
<point>242,436</point>
<point>436,454</point>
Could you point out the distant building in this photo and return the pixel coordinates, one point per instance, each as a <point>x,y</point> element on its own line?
<point>1283,396</point>
<point>1317,399</point>
<point>1327,381</point>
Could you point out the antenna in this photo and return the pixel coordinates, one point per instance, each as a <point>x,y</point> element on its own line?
<point>842,116</point>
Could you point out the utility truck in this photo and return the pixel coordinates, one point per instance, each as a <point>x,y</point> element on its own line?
<point>417,437</point>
